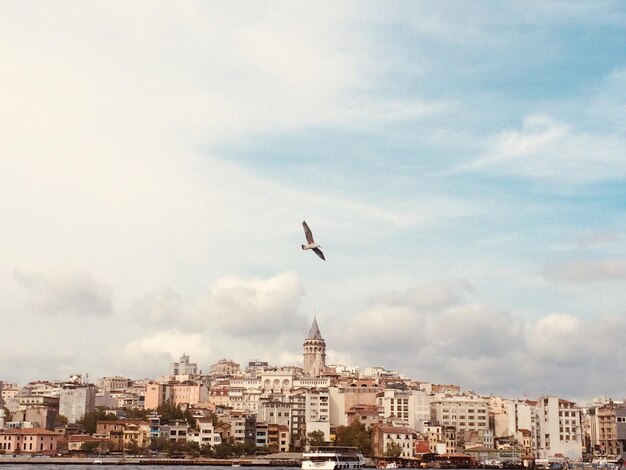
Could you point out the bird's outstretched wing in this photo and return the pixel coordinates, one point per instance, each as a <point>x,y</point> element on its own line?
<point>307,233</point>
<point>319,253</point>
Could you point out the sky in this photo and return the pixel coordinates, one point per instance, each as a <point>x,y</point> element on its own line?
<point>462,165</point>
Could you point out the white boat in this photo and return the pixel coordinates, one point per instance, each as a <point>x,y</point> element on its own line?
<point>332,458</point>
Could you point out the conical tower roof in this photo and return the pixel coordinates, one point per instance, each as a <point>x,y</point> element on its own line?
<point>314,332</point>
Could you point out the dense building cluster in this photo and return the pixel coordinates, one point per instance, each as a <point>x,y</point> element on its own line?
<point>284,409</point>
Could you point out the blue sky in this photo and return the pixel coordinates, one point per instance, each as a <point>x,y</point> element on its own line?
<point>461,163</point>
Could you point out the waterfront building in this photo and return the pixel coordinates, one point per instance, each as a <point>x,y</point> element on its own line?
<point>558,429</point>
<point>603,420</point>
<point>28,440</point>
<point>384,436</point>
<point>514,420</point>
<point>464,412</point>
<point>205,435</point>
<point>124,433</point>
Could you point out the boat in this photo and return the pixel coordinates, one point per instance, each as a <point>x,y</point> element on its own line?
<point>332,458</point>
<point>391,465</point>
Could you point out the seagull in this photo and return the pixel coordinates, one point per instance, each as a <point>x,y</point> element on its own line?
<point>311,245</point>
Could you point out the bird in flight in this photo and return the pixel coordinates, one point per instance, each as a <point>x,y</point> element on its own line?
<point>311,245</point>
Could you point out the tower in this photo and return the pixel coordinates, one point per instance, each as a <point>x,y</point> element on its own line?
<point>314,352</point>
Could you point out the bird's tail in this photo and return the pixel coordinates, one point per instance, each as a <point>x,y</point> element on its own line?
<point>302,246</point>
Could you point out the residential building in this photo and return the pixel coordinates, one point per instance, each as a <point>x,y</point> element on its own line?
<point>76,399</point>
<point>224,368</point>
<point>125,433</point>
<point>110,384</point>
<point>620,418</point>
<point>464,412</point>
<point>175,431</point>
<point>317,412</point>
<point>183,367</point>
<point>76,442</point>
<point>410,406</point>
<point>384,436</point>
<point>345,395</point>
<point>156,395</point>
<point>205,435</point>
<point>41,410</point>
<point>558,429</point>
<point>188,393</point>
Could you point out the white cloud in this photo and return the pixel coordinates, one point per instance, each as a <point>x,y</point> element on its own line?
<point>585,271</point>
<point>69,293</point>
<point>546,149</point>
<point>482,348</point>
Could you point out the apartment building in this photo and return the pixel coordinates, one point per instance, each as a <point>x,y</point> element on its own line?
<point>183,367</point>
<point>317,412</point>
<point>409,406</point>
<point>224,368</point>
<point>620,418</point>
<point>110,384</point>
<point>604,420</point>
<point>76,399</point>
<point>514,420</point>
<point>558,429</point>
<point>345,395</point>
<point>463,412</point>
<point>205,435</point>
<point>384,436</point>
<point>41,410</point>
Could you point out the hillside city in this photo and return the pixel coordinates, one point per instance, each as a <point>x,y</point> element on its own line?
<point>260,409</point>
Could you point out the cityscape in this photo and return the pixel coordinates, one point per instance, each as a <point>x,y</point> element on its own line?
<point>286,409</point>
<point>284,233</point>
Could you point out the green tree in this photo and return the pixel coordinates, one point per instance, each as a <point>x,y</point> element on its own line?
<point>60,420</point>
<point>160,444</point>
<point>89,447</point>
<point>393,449</point>
<point>315,439</point>
<point>354,435</point>
<point>90,420</point>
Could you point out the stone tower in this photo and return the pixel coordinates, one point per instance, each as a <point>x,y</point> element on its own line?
<point>314,352</point>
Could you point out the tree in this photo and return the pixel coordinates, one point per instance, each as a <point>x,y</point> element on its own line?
<point>354,435</point>
<point>60,420</point>
<point>315,438</point>
<point>393,449</point>
<point>160,444</point>
<point>89,446</point>
<point>90,420</point>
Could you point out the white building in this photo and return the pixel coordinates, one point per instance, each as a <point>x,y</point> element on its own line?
<point>317,410</point>
<point>464,412</point>
<point>410,406</point>
<point>77,399</point>
<point>183,367</point>
<point>558,429</point>
<point>206,434</point>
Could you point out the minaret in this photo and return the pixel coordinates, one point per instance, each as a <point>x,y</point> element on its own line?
<point>314,352</point>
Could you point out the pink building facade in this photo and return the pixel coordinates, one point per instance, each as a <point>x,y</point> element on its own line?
<point>34,440</point>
